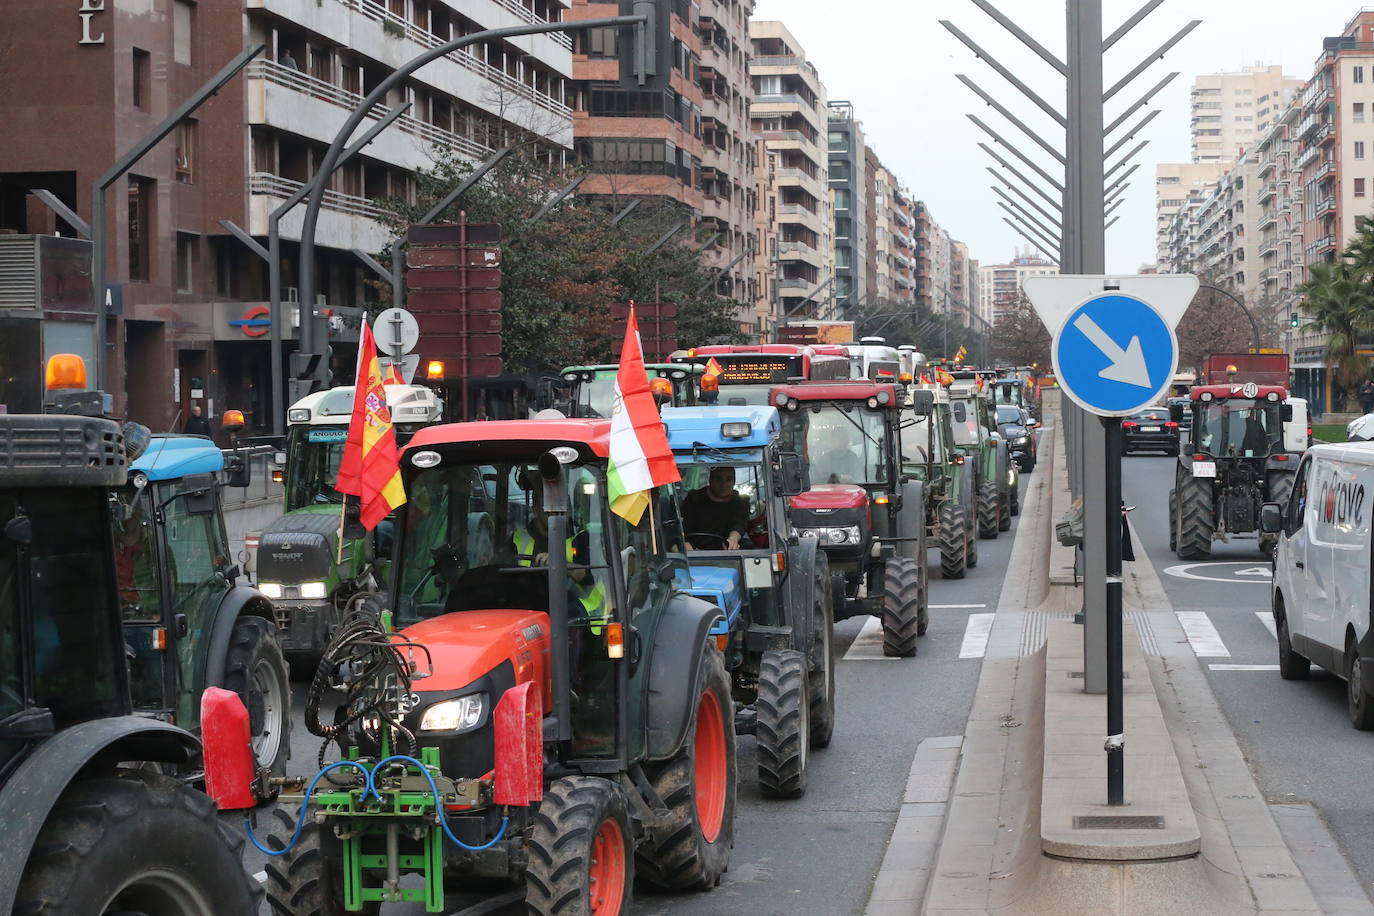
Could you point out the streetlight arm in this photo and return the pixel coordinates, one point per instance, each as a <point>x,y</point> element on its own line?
<point>1254,325</point>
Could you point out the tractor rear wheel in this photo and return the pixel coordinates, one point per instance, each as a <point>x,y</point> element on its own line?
<point>256,670</point>
<point>971,527</point>
<point>691,850</point>
<point>1004,513</point>
<point>581,850</point>
<point>784,724</point>
<point>136,842</point>
<point>989,511</point>
<point>308,880</point>
<point>953,541</point>
<point>821,657</point>
<point>901,607</point>
<point>1280,488</point>
<point>1016,500</point>
<point>1195,526</point>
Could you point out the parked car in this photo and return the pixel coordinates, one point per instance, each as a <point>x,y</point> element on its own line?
<point>1321,586</point>
<point>1150,430</point>
<point>1020,432</point>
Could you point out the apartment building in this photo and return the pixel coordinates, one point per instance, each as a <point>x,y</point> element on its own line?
<point>1230,111</point>
<point>999,285</point>
<point>1174,183</point>
<point>790,113</point>
<point>187,297</point>
<point>850,200</point>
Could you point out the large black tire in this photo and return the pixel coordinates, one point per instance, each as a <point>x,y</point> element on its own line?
<point>581,850</point>
<point>989,510</point>
<point>953,541</point>
<point>256,670</point>
<point>1358,702</point>
<point>1280,488</point>
<point>901,607</point>
<point>1194,508</point>
<point>971,549</point>
<point>1292,665</point>
<point>1173,521</point>
<point>821,657</point>
<point>1004,513</point>
<point>135,842</point>
<point>1016,500</point>
<point>308,880</point>
<point>783,729</point>
<point>684,854</point>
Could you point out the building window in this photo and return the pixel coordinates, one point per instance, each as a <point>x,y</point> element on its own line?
<point>1358,111</point>
<point>1357,74</point>
<point>1359,149</point>
<point>138,228</point>
<point>1359,187</point>
<point>839,141</point>
<point>842,199</point>
<point>186,151</point>
<point>186,262</point>
<point>181,31</point>
<point>142,73</point>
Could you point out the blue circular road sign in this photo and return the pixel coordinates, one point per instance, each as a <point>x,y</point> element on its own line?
<point>1114,354</point>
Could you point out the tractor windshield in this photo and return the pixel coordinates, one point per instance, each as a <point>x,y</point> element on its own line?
<point>595,397</point>
<point>1242,427</point>
<point>919,446</point>
<point>965,422</point>
<point>475,536</point>
<point>313,454</point>
<point>842,441</point>
<point>718,498</point>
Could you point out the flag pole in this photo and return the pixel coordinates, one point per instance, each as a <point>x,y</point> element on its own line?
<point>343,521</point>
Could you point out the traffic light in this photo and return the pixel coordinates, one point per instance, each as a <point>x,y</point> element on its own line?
<point>1293,320</point>
<point>302,381</point>
<point>646,50</point>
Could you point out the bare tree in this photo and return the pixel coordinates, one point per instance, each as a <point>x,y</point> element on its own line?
<point>1020,337</point>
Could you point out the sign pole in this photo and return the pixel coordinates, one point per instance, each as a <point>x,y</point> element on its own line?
<point>1115,519</point>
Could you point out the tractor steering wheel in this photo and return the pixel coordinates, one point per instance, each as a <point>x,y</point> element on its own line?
<point>724,541</point>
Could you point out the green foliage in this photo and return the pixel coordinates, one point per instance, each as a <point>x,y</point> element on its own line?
<point>563,271</point>
<point>1340,304</point>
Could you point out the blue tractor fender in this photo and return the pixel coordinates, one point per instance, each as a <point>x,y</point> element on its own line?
<point>240,601</point>
<point>722,586</point>
<point>29,794</point>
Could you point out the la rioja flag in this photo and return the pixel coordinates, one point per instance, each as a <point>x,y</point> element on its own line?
<point>371,465</point>
<point>640,456</point>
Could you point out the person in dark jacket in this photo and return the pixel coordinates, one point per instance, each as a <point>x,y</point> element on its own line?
<point>196,425</point>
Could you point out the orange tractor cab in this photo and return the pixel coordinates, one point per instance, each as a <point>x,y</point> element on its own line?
<point>541,705</point>
<point>868,517</point>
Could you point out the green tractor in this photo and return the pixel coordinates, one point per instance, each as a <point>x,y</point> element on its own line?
<point>94,825</point>
<point>300,565</point>
<point>929,455</point>
<point>591,389</point>
<point>995,492</point>
<point>554,714</point>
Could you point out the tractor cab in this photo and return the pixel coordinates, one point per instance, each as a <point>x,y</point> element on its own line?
<point>929,455</point>
<point>1238,421</point>
<point>994,477</point>
<point>592,388</point>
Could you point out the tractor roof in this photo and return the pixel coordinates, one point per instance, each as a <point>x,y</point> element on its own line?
<point>169,457</point>
<point>593,435</point>
<point>334,407</point>
<point>729,349</point>
<point>690,426</point>
<point>839,390</point>
<point>1249,391</point>
<point>670,370</point>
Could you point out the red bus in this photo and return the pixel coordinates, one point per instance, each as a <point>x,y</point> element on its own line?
<point>749,372</point>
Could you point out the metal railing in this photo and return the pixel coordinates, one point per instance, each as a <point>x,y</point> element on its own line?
<point>277,186</point>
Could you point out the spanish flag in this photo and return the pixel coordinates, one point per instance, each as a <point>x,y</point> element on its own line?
<point>713,367</point>
<point>370,468</point>
<point>393,375</point>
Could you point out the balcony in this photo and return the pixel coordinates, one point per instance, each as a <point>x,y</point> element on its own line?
<point>1267,219</point>
<point>1326,206</point>
<point>1327,170</point>
<point>1268,247</point>
<point>799,251</point>
<point>794,213</point>
<point>289,100</point>
<point>798,178</point>
<point>1308,157</point>
<point>1322,245</point>
<point>1268,190</point>
<point>346,221</point>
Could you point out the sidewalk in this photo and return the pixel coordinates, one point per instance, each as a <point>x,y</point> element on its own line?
<point>979,818</point>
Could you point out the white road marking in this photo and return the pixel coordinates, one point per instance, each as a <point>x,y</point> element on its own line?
<point>1254,575</point>
<point>868,645</point>
<point>1267,618</point>
<point>976,633</point>
<point>260,877</point>
<point>1202,636</point>
<point>1244,667</point>
<point>957,606</point>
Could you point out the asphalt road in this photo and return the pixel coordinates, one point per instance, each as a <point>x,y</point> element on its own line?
<point>1295,735</point>
<point>819,853</point>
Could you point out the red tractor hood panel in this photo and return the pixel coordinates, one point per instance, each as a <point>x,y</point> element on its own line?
<point>468,644</point>
<point>831,496</point>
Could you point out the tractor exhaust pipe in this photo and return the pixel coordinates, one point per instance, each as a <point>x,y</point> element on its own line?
<point>556,507</point>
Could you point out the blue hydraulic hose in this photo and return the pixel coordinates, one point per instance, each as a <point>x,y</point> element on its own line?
<point>438,803</point>
<point>300,815</point>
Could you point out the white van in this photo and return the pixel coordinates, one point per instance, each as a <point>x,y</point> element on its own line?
<point>1321,595</point>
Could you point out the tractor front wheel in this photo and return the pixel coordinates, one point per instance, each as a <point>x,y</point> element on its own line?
<point>953,541</point>
<point>783,729</point>
<point>1193,499</point>
<point>691,850</point>
<point>989,511</point>
<point>581,850</point>
<point>136,842</point>
<point>1004,512</point>
<point>256,670</point>
<point>901,607</point>
<point>821,657</point>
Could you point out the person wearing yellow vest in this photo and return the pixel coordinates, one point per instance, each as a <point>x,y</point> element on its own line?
<point>532,549</point>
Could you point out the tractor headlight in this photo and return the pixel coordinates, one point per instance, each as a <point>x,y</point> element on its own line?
<point>312,590</point>
<point>848,535</point>
<point>270,589</point>
<point>810,532</point>
<point>298,415</point>
<point>454,715</point>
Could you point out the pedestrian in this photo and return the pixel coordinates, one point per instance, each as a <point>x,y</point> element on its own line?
<point>287,60</point>
<point>196,425</point>
<point>1366,395</point>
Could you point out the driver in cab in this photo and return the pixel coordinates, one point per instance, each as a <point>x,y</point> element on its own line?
<point>715,516</point>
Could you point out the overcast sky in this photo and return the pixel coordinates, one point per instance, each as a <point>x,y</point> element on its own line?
<point>894,61</point>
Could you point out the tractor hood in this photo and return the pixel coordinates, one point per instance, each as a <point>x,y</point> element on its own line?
<point>466,645</point>
<point>299,547</point>
<point>831,496</point>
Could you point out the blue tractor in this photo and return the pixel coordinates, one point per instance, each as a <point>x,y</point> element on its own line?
<point>189,621</point>
<point>776,589</point>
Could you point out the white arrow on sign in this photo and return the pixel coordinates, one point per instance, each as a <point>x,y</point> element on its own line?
<point>1127,366</point>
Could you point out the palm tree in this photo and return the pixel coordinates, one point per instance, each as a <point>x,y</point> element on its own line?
<point>1359,252</point>
<point>1341,305</point>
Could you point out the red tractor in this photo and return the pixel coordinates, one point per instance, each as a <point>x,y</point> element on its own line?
<point>545,706</point>
<point>867,515</point>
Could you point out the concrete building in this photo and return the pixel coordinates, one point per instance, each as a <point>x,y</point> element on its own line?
<point>1230,111</point>
<point>999,285</point>
<point>190,295</point>
<point>849,195</point>
<point>1174,183</point>
<point>790,113</point>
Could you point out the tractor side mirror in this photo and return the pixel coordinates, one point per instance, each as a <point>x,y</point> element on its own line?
<point>200,494</point>
<point>795,480</point>
<point>238,472</point>
<point>19,530</point>
<point>923,402</point>
<point>1176,413</point>
<point>1271,518</point>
